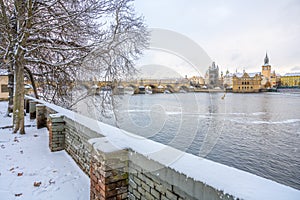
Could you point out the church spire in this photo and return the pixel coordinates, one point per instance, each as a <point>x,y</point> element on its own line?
<point>266,59</point>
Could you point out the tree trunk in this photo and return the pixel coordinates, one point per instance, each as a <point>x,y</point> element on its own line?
<point>22,36</point>
<point>19,97</point>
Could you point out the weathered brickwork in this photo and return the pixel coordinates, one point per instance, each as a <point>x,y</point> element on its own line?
<point>56,127</point>
<point>150,180</point>
<point>146,186</point>
<point>109,175</point>
<point>32,109</point>
<point>41,119</point>
<point>76,144</point>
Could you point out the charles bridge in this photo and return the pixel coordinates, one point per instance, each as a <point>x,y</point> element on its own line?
<point>141,85</point>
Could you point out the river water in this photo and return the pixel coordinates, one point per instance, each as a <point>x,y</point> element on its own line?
<point>258,133</point>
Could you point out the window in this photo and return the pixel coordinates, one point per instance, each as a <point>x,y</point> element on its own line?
<point>4,88</point>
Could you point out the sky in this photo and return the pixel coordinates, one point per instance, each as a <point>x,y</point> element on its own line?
<point>235,34</point>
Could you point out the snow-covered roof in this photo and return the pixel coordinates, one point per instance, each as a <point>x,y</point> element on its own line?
<point>229,75</point>
<point>251,74</point>
<point>3,72</point>
<point>293,74</point>
<point>238,74</point>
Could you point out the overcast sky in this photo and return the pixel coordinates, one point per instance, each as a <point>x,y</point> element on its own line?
<point>234,33</point>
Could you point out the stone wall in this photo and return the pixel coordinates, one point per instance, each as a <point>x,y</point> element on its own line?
<point>151,180</point>
<point>77,145</point>
<point>64,133</point>
<point>41,112</point>
<point>109,175</point>
<point>56,126</point>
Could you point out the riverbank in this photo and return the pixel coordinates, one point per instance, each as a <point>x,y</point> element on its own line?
<point>28,170</point>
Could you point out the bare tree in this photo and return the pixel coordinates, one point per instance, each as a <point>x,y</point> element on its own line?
<point>50,41</point>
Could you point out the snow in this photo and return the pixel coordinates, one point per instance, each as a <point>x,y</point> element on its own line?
<point>238,74</point>
<point>3,72</point>
<point>251,74</point>
<point>293,74</point>
<point>238,183</point>
<point>29,157</point>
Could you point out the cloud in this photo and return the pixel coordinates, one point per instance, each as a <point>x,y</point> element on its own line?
<point>159,64</point>
<point>157,72</point>
<point>234,33</point>
<point>297,68</point>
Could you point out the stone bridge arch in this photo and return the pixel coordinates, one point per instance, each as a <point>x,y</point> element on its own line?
<point>183,87</point>
<point>170,88</point>
<point>133,86</point>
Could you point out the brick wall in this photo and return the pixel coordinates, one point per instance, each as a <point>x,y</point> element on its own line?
<point>56,125</point>
<point>109,175</point>
<point>151,180</point>
<point>77,145</point>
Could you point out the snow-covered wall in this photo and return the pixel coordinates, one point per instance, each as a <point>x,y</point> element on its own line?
<point>150,179</point>
<point>77,145</point>
<point>76,135</point>
<point>157,171</point>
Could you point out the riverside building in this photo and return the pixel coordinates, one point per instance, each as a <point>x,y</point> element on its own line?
<point>3,84</point>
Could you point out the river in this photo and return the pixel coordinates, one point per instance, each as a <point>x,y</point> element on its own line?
<point>258,133</point>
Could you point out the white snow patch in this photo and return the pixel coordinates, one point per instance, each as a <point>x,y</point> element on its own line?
<point>29,156</point>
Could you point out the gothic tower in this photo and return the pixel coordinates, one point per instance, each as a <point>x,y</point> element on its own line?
<point>266,69</point>
<point>212,76</point>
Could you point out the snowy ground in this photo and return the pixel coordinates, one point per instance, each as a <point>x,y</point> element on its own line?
<point>28,170</point>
